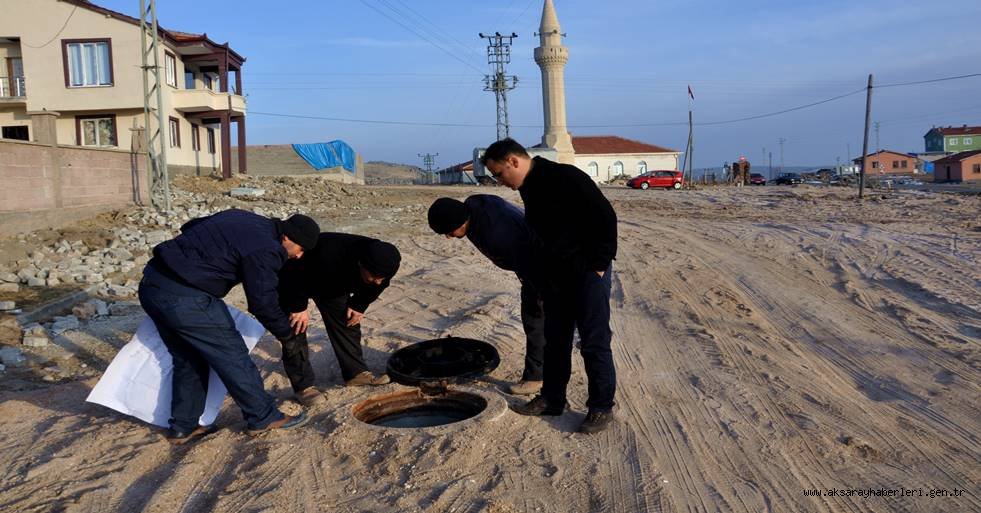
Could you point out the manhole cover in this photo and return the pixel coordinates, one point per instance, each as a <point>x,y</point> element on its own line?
<point>442,360</point>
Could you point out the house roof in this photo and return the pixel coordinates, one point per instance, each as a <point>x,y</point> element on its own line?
<point>611,144</point>
<point>859,159</point>
<point>958,130</point>
<point>957,157</point>
<point>462,166</point>
<point>174,36</point>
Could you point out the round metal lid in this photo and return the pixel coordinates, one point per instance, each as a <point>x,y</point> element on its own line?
<point>448,360</point>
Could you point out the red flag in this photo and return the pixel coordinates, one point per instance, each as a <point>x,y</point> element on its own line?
<point>691,93</point>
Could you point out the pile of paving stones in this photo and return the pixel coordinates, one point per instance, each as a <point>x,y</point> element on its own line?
<point>113,270</point>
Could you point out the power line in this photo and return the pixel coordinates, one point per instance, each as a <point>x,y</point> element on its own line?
<point>929,81</point>
<point>62,29</point>
<point>618,125</point>
<point>424,38</point>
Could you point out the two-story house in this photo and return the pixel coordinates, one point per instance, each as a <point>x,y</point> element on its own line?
<point>952,139</point>
<point>70,74</point>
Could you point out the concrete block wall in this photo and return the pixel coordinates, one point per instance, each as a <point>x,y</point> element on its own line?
<point>53,181</point>
<point>281,159</point>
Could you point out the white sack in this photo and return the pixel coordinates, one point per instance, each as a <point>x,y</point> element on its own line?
<point>138,380</point>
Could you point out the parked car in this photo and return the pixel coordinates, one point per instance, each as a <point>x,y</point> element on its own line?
<point>757,179</point>
<point>665,179</point>
<point>788,179</point>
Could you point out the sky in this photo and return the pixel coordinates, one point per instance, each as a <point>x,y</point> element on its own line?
<point>414,65</point>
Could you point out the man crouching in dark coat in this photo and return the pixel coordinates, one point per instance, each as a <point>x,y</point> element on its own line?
<point>343,274</point>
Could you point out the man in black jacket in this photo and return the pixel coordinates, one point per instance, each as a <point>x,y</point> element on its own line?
<point>343,274</point>
<point>578,227</point>
<point>499,231</point>
<point>181,291</point>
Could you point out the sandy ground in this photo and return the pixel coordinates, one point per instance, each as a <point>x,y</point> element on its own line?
<point>768,341</point>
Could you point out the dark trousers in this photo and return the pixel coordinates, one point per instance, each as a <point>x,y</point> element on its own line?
<point>344,339</point>
<point>580,301</point>
<point>533,320</point>
<point>200,333</point>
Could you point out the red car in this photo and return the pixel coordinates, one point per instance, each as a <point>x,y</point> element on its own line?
<point>757,179</point>
<point>665,179</point>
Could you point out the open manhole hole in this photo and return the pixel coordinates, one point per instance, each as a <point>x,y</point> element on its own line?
<point>414,409</point>
<point>431,366</point>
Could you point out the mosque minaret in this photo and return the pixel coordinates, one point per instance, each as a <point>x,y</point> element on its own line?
<point>551,57</point>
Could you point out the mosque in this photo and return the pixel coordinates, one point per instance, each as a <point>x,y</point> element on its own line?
<point>602,157</point>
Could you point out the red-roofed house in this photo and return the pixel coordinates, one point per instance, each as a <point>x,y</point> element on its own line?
<point>604,157</point>
<point>887,162</point>
<point>959,167</point>
<point>952,139</point>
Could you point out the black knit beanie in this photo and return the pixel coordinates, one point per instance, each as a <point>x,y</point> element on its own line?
<point>381,259</point>
<point>301,230</point>
<point>447,214</point>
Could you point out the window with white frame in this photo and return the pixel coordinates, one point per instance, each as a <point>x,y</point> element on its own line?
<point>617,168</point>
<point>96,131</point>
<point>953,141</point>
<point>968,140</point>
<point>641,167</point>
<point>88,63</point>
<point>175,133</point>
<point>170,69</point>
<point>593,169</point>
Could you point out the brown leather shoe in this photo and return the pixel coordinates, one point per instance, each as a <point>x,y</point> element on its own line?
<point>310,397</point>
<point>367,378</point>
<point>525,387</point>
<point>180,437</point>
<point>287,422</point>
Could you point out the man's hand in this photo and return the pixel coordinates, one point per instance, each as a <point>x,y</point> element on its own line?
<point>354,317</point>
<point>600,273</point>
<point>299,321</point>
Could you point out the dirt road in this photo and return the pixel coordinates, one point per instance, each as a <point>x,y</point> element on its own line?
<point>768,342</point>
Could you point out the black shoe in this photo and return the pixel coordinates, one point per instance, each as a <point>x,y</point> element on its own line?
<point>596,421</point>
<point>537,406</point>
<point>178,437</point>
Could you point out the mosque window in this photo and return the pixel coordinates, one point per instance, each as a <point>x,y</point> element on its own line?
<point>593,169</point>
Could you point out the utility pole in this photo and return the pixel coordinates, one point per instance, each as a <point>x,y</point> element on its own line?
<point>156,147</point>
<point>877,147</point>
<point>848,153</point>
<point>771,165</point>
<point>865,143</point>
<point>764,156</point>
<point>429,160</point>
<point>782,140</point>
<point>499,56</point>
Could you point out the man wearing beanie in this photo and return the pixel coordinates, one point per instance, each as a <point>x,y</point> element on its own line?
<point>181,291</point>
<point>343,274</point>
<point>498,230</point>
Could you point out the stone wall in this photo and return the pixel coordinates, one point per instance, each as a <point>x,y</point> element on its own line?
<point>45,186</point>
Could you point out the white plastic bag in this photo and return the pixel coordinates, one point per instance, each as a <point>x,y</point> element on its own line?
<point>138,381</point>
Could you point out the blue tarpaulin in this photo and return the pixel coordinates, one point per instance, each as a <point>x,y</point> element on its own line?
<point>327,155</point>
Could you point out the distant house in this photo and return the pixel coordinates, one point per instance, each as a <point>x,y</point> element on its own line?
<point>887,162</point>
<point>459,173</point>
<point>959,167</point>
<point>604,157</point>
<point>952,139</point>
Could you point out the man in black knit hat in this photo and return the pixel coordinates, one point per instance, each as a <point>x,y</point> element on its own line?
<point>343,274</point>
<point>181,291</point>
<point>499,231</point>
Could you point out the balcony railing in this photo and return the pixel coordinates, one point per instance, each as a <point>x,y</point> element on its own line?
<point>12,87</point>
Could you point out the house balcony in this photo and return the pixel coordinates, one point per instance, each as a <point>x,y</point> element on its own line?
<point>13,90</point>
<point>204,101</point>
